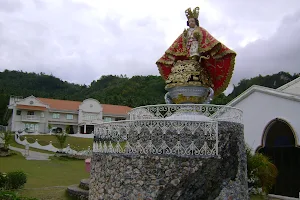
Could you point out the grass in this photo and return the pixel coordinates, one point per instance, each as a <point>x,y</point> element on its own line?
<point>46,193</point>
<point>257,197</point>
<point>45,177</point>
<point>75,142</point>
<point>48,180</point>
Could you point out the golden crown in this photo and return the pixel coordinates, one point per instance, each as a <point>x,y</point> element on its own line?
<point>192,14</point>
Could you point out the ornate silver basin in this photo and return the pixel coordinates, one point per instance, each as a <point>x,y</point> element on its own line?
<point>189,95</point>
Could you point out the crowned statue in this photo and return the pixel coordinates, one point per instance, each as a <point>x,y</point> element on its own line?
<point>196,67</point>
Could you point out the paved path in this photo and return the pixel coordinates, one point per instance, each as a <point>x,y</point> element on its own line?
<point>33,155</point>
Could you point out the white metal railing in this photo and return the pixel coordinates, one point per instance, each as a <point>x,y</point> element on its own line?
<point>169,129</point>
<point>90,118</point>
<point>50,147</point>
<point>31,117</point>
<point>171,137</point>
<point>215,112</point>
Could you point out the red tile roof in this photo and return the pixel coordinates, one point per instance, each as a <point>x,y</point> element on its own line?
<point>26,107</point>
<point>58,104</point>
<point>115,109</point>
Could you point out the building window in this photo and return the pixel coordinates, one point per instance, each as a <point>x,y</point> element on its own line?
<point>119,119</point>
<point>107,119</point>
<point>30,112</point>
<point>90,117</point>
<point>19,112</point>
<point>69,116</point>
<point>55,116</point>
<point>42,114</point>
<point>31,127</point>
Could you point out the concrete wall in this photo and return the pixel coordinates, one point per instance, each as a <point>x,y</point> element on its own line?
<point>293,89</point>
<point>39,117</point>
<point>90,112</point>
<point>91,106</point>
<point>38,127</point>
<point>259,109</point>
<point>31,101</point>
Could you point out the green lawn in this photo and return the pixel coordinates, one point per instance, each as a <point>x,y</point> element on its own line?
<point>257,197</point>
<point>44,175</point>
<point>75,142</point>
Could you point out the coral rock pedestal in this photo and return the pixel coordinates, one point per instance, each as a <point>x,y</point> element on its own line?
<point>152,156</point>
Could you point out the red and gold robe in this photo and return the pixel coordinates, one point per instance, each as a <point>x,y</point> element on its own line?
<point>220,65</point>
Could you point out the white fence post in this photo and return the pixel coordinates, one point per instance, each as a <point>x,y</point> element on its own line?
<point>48,147</point>
<point>26,150</point>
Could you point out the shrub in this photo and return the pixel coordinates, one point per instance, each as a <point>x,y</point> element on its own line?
<point>49,126</point>
<point>262,173</point>
<point>16,180</point>
<point>6,137</point>
<point>69,129</point>
<point>3,180</point>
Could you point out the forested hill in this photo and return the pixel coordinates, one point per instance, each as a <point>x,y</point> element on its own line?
<point>271,81</point>
<point>121,90</point>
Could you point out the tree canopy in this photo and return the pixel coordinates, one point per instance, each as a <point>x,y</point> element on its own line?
<point>110,89</point>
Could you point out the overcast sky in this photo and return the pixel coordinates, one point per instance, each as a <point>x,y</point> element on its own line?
<point>80,40</point>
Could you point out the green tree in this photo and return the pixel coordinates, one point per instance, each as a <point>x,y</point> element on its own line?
<point>110,89</point>
<point>61,139</point>
<point>49,127</point>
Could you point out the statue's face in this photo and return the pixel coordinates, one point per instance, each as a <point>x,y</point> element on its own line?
<point>192,23</point>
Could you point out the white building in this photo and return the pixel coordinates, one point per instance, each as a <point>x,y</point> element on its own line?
<point>39,115</point>
<point>272,127</point>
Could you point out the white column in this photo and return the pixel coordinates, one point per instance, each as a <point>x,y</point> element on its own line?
<point>84,131</point>
<point>46,118</point>
<point>13,118</point>
<point>46,129</point>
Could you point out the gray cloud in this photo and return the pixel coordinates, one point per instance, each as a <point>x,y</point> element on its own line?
<point>277,53</point>
<point>10,5</point>
<point>76,48</point>
<point>256,10</point>
<point>39,4</point>
<point>70,41</point>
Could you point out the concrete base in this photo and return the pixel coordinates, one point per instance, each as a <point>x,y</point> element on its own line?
<point>169,177</point>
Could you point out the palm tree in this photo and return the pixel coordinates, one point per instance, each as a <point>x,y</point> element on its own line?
<point>61,138</point>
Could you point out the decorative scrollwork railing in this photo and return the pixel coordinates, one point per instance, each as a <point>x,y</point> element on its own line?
<point>157,136</point>
<point>215,112</point>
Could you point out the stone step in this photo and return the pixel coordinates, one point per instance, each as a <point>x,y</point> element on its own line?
<point>76,192</point>
<point>84,184</point>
